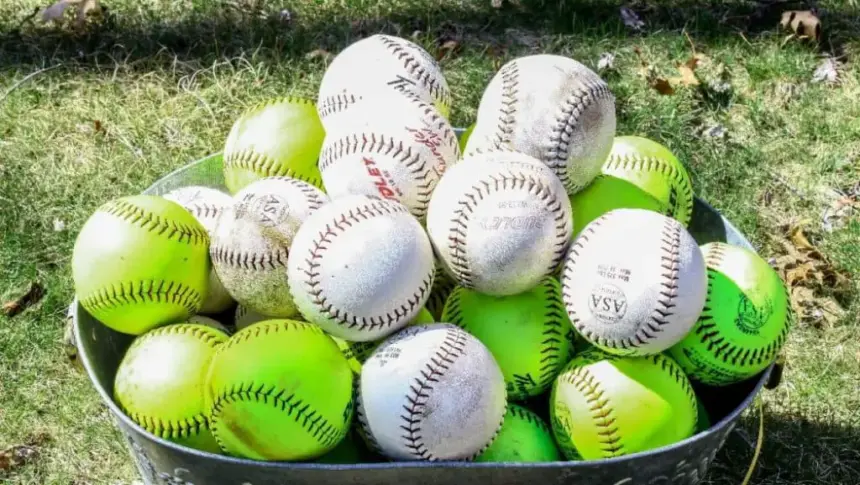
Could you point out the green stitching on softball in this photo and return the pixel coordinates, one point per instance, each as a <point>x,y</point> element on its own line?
<point>605,406</point>
<point>524,437</point>
<point>639,173</point>
<point>745,321</point>
<point>140,262</point>
<point>281,137</point>
<point>526,333</point>
<point>160,383</point>
<point>280,390</point>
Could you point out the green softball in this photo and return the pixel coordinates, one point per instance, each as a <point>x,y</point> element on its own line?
<point>524,438</point>
<point>704,421</point>
<point>160,383</point>
<point>526,333</point>
<point>639,173</point>
<point>357,352</point>
<point>140,262</point>
<point>280,390</point>
<point>283,136</point>
<point>745,321</point>
<point>604,406</point>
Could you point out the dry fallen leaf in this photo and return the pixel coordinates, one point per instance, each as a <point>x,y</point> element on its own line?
<point>803,23</point>
<point>662,86</point>
<point>812,280</point>
<point>688,77</point>
<point>448,48</point>
<point>28,299</point>
<point>16,456</point>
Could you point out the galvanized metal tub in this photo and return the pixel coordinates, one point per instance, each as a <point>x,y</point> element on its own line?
<point>162,462</point>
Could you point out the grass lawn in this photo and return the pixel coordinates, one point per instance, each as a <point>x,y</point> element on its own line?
<point>158,83</point>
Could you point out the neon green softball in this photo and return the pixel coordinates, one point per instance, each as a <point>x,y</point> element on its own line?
<point>280,390</point>
<point>639,173</point>
<point>524,438</point>
<point>283,136</point>
<point>526,333</point>
<point>745,321</point>
<point>704,421</point>
<point>604,406</point>
<point>160,383</point>
<point>357,352</point>
<point>140,262</point>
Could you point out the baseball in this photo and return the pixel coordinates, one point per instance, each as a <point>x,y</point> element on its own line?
<point>382,62</point>
<point>500,222</point>
<point>251,242</point>
<point>552,108</point>
<point>205,204</point>
<point>634,282</point>
<point>398,154</point>
<point>431,392</point>
<point>361,268</point>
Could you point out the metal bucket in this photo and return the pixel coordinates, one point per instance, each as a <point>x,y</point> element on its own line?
<point>162,462</point>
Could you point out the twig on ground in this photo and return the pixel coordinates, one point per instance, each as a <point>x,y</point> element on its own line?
<point>25,79</point>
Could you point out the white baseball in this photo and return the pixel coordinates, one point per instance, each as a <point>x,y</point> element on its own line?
<point>251,242</point>
<point>205,204</point>
<point>500,222</point>
<point>431,392</point>
<point>382,62</point>
<point>552,108</point>
<point>397,155</point>
<point>634,282</point>
<point>361,268</point>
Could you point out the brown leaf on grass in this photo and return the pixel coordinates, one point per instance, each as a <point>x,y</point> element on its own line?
<point>16,456</point>
<point>812,281</point>
<point>28,299</point>
<point>802,23</point>
<point>449,48</point>
<point>19,455</point>
<point>688,77</point>
<point>662,86</point>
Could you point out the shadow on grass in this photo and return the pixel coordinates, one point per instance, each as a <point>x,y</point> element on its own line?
<point>219,32</point>
<point>795,450</point>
